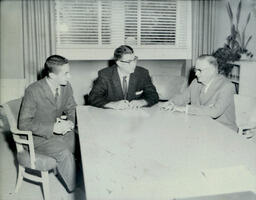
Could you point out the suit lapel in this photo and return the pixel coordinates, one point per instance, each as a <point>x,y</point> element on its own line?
<point>213,88</point>
<point>62,96</point>
<point>117,83</point>
<point>132,85</point>
<point>47,91</point>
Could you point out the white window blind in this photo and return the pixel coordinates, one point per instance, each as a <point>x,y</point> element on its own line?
<point>92,29</point>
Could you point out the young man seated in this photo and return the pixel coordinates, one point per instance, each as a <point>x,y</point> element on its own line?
<point>123,85</point>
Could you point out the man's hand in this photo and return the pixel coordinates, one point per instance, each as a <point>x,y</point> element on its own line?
<point>179,108</point>
<point>118,105</point>
<point>137,104</point>
<point>167,106</point>
<point>61,127</point>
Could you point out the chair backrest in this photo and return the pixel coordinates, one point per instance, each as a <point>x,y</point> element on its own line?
<point>22,139</point>
<point>12,109</point>
<point>168,86</point>
<point>245,108</point>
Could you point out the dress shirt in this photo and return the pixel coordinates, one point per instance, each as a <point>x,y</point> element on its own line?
<point>121,75</point>
<point>53,86</point>
<point>206,86</point>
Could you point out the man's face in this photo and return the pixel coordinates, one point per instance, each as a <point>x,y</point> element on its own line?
<point>127,63</point>
<point>204,71</point>
<point>62,76</point>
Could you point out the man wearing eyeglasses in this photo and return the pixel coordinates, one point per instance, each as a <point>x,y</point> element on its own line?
<point>209,94</point>
<point>123,85</point>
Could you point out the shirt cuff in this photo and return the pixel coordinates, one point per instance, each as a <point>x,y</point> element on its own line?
<point>186,109</point>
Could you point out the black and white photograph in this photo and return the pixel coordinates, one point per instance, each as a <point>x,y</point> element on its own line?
<point>127,99</point>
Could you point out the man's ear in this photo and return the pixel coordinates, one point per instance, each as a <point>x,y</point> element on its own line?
<point>52,75</point>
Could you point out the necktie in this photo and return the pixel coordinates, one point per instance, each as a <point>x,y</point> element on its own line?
<point>56,95</point>
<point>125,87</point>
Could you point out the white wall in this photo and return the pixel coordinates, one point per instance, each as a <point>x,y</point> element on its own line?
<point>11,53</point>
<point>11,60</point>
<point>223,25</point>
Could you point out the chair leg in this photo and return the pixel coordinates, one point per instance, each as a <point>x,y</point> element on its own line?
<point>45,184</point>
<point>21,171</point>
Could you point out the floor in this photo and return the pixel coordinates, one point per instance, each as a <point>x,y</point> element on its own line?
<point>28,191</point>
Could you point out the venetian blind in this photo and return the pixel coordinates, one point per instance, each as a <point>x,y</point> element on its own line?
<point>84,24</point>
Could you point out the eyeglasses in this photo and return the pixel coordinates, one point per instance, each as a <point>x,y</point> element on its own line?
<point>129,61</point>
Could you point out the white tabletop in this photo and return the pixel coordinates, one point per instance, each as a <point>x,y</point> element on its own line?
<point>153,154</point>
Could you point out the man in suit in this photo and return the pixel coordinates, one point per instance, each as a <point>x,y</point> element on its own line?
<point>209,94</point>
<point>123,85</point>
<point>44,105</point>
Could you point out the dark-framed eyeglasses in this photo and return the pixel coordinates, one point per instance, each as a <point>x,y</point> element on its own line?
<point>129,61</point>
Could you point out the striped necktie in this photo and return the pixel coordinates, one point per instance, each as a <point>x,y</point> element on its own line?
<point>57,94</point>
<point>125,87</point>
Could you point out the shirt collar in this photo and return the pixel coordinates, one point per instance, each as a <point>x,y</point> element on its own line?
<point>121,74</point>
<point>206,86</point>
<point>52,85</point>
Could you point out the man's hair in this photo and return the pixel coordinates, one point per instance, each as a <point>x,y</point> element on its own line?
<point>53,63</point>
<point>211,60</point>
<point>120,51</point>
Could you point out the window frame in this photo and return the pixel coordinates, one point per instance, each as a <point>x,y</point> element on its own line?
<point>147,52</point>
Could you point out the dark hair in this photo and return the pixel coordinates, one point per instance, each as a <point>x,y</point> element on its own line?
<point>120,51</point>
<point>211,59</point>
<point>53,63</point>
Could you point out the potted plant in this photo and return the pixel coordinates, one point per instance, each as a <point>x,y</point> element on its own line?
<point>236,45</point>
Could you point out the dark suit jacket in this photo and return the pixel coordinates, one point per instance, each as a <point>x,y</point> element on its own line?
<point>39,110</point>
<point>107,87</point>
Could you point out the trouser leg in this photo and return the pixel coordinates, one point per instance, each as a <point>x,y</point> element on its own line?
<point>58,148</point>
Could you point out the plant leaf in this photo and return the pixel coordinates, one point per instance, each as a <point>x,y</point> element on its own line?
<point>247,41</point>
<point>243,38</point>
<point>239,7</point>
<point>247,21</point>
<point>248,18</point>
<point>238,37</point>
<point>230,13</point>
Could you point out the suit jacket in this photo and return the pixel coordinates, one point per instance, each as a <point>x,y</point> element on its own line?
<point>217,102</point>
<point>107,87</point>
<point>39,109</point>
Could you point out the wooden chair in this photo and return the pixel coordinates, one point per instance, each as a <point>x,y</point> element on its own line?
<point>30,164</point>
<point>245,108</point>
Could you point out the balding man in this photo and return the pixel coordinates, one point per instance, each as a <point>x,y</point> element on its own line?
<point>209,94</point>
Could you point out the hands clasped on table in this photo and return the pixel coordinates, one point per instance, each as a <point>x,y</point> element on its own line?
<point>125,105</point>
<point>61,127</point>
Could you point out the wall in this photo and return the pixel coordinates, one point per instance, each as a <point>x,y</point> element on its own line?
<point>11,53</point>
<point>11,40</point>
<point>223,24</point>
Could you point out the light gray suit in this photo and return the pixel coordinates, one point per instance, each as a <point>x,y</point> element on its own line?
<point>38,114</point>
<point>217,102</point>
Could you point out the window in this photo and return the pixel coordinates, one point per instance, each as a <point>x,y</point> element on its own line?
<point>92,29</point>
